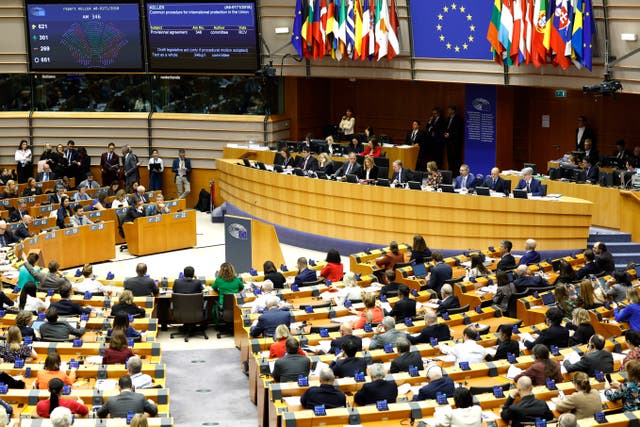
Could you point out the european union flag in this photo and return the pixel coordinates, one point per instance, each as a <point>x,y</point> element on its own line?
<point>451,29</point>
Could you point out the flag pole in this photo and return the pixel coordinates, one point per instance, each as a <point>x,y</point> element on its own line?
<point>412,60</point>
<point>505,67</point>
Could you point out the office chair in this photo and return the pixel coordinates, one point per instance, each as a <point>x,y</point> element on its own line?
<point>458,310</point>
<point>188,309</point>
<point>121,217</point>
<point>313,283</point>
<point>225,315</point>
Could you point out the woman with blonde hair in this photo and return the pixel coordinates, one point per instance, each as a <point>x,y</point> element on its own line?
<point>584,402</point>
<point>372,313</point>
<point>139,420</point>
<point>278,349</point>
<point>581,324</point>
<point>587,297</point>
<point>14,348</point>
<point>325,164</point>
<point>369,170</point>
<point>350,289</point>
<point>125,304</point>
<point>563,300</point>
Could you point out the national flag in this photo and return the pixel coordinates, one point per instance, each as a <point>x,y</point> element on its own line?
<point>307,22</point>
<point>561,24</point>
<point>382,29</point>
<point>366,28</point>
<point>528,28</point>
<point>492,33</point>
<point>394,43</point>
<point>357,13</point>
<point>340,29</point>
<point>517,38</point>
<point>350,40</point>
<point>576,34</point>
<point>331,15</point>
<point>541,26</point>
<point>505,32</point>
<point>323,25</point>
<point>318,41</point>
<point>296,37</point>
<point>372,29</point>
<point>588,28</point>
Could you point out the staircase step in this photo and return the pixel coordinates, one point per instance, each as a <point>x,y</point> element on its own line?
<point>609,238</point>
<point>622,247</point>
<point>624,258</point>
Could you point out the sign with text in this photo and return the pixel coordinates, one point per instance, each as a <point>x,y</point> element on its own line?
<point>480,128</point>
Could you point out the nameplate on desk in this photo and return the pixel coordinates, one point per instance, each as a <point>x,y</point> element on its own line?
<point>71,231</point>
<point>4,202</point>
<point>29,199</point>
<point>96,227</point>
<point>153,219</point>
<point>94,214</point>
<point>121,211</point>
<point>39,222</point>
<point>171,204</point>
<point>36,239</point>
<point>46,208</point>
<point>179,215</point>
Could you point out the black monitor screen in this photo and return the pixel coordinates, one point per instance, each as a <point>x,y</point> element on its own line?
<point>202,36</point>
<point>85,36</point>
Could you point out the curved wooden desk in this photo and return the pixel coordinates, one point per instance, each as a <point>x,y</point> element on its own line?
<point>378,214</point>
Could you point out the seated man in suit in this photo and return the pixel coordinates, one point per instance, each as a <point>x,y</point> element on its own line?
<point>505,344</point>
<point>523,279</point>
<point>391,288</point>
<point>604,259</point>
<point>307,162</point>
<point>590,266</point>
<point>140,194</point>
<point>346,364</point>
<point>16,215</point>
<point>590,151</point>
<point>405,306</point>
<point>591,171</point>
<point>127,401</point>
<point>555,334</point>
<point>268,321</point>
<point>350,167</point>
<point>79,218</point>
<point>531,256</point>
<point>529,183</point>
<point>65,306</point>
<point>596,358</point>
<point>159,207</point>
<point>528,408</point>
<point>135,211</point>
<point>385,333</point>
<point>55,330</point>
<point>189,284</point>
<point>290,367</point>
<point>439,273</point>
<point>507,261</point>
<point>400,174</point>
<point>141,285</point>
<point>90,183</point>
<point>22,230</point>
<point>305,274</point>
<point>6,236</point>
<point>438,382</point>
<point>346,334</point>
<point>405,358</point>
<point>53,279</point>
<point>449,300</point>
<point>56,198</point>
<point>468,350</point>
<point>325,394</point>
<point>466,180</point>
<point>495,182</point>
<point>46,174</point>
<point>433,329</point>
<point>378,389</point>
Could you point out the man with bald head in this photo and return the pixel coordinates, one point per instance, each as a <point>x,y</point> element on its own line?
<point>495,182</point>
<point>6,236</point>
<point>433,329</point>
<point>531,256</point>
<point>346,334</point>
<point>324,394</point>
<point>437,383</point>
<point>22,230</point>
<point>528,408</point>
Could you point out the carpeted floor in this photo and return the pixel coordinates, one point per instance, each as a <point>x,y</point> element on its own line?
<point>207,388</point>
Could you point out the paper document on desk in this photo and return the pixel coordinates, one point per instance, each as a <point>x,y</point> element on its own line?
<point>366,342</point>
<point>489,289</point>
<point>551,405</point>
<point>489,416</point>
<point>450,358</point>
<point>513,372</point>
<point>292,400</point>
<point>106,384</point>
<point>294,326</point>
<point>404,388</point>
<point>325,345</point>
<point>572,357</point>
<point>385,306</point>
<point>492,350</point>
<point>618,356</point>
<point>526,336</point>
<point>93,360</point>
<point>432,305</point>
<point>272,363</point>
<point>343,319</point>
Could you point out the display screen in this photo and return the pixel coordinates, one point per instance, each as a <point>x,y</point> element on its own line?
<point>205,36</point>
<point>84,36</point>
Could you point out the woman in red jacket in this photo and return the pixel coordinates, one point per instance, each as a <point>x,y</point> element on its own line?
<point>118,350</point>
<point>333,270</point>
<point>373,149</point>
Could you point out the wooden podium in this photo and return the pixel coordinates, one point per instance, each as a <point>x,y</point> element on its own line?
<point>249,243</point>
<point>161,233</point>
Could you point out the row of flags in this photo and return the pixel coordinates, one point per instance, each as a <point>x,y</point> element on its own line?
<point>346,29</point>
<point>532,31</point>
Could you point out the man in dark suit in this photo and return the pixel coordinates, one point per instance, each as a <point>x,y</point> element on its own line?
<point>531,256</point>
<point>188,285</point>
<point>391,288</point>
<point>555,334</point>
<point>449,300</point>
<point>346,334</point>
<point>22,230</point>
<point>16,215</point>
<point>591,172</point>
<point>400,174</point>
<point>130,165</point>
<point>405,306</point>
<point>292,365</point>
<point>127,401</point>
<point>591,152</point>
<point>350,167</point>
<point>141,285</point>
<point>417,136</point>
<point>46,174</point>
<point>6,236</point>
<point>495,182</point>
<point>524,279</point>
<point>466,179</point>
<point>438,383</point>
<point>109,165</point>
<point>583,132</point>
<point>268,321</point>
<point>307,162</point>
<point>56,198</point>
<point>454,138</point>
<point>529,183</point>
<point>604,259</point>
<point>439,273</point>
<point>305,274</point>
<point>378,389</point>
<point>505,344</point>
<point>405,357</point>
<point>181,167</point>
<point>507,261</point>
<point>433,329</point>
<point>590,266</point>
<point>325,394</point>
<point>596,358</point>
<point>435,131</point>
<point>347,364</point>
<point>135,211</point>
<point>72,158</point>
<point>621,153</point>
<point>528,409</point>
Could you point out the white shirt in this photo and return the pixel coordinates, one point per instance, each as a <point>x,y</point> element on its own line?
<point>468,351</point>
<point>23,156</point>
<point>579,135</point>
<point>156,161</point>
<point>90,285</point>
<point>347,125</point>
<point>35,304</point>
<point>459,417</point>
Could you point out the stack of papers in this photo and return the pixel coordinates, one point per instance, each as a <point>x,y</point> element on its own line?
<point>513,372</point>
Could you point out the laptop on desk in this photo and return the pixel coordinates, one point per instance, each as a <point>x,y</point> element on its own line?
<point>415,185</point>
<point>548,299</point>
<point>447,188</point>
<point>520,194</point>
<point>353,179</point>
<point>419,270</point>
<point>261,166</point>
<point>321,175</point>
<point>483,191</point>
<point>382,182</point>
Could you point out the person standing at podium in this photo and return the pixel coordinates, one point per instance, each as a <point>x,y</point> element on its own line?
<point>181,167</point>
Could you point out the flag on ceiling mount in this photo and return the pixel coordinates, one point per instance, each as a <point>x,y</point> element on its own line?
<point>588,29</point>
<point>394,44</point>
<point>296,37</point>
<point>492,34</point>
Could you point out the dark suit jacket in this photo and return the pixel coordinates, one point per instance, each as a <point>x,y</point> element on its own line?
<point>329,168</point>
<point>356,169</point>
<point>54,199</point>
<point>337,343</point>
<point>500,186</point>
<point>187,286</point>
<point>15,215</point>
<point>443,385</point>
<point>505,347</point>
<point>455,128</point>
<point>592,174</point>
<point>599,360</point>
<point>344,368</point>
<point>109,168</point>
<point>69,308</point>
<point>127,401</point>
<point>312,163</point>
<point>277,278</point>
<point>326,395</point>
<point>448,303</point>
<point>529,282</point>
<point>534,186</point>
<point>471,181</point>
<point>175,165</point>
<point>269,321</point>
<point>129,164</point>
<point>530,257</point>
<point>306,275</point>
<point>553,335</point>
<point>289,367</point>
<point>528,409</point>
<point>405,307</point>
<point>22,232</point>
<point>40,176</point>
<point>141,286</point>
<point>439,273</point>
<point>403,176</point>
<point>131,309</point>
<point>421,137</point>
<point>507,262</point>
<point>373,173</point>
<point>605,262</point>
<point>582,333</point>
<point>587,269</point>
<point>587,134</point>
<point>404,360</point>
<point>132,214</point>
<point>377,390</point>
<point>390,289</point>
<point>440,331</point>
